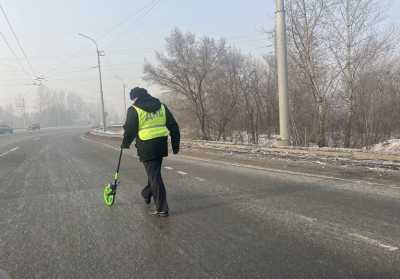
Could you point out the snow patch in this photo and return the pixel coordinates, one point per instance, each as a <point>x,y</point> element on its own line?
<point>107,132</point>
<point>388,147</point>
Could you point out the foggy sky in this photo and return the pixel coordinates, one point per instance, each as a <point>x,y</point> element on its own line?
<point>48,31</point>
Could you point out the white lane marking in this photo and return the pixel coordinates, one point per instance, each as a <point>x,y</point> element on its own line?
<point>306,218</point>
<point>100,143</point>
<point>375,242</point>
<point>9,151</point>
<point>219,162</point>
<point>200,179</point>
<point>295,173</point>
<point>212,161</point>
<point>182,172</point>
<point>168,168</point>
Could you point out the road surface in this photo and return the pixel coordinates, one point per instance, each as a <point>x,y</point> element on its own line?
<point>226,221</point>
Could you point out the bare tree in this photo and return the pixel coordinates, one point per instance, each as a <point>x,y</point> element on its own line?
<point>55,108</point>
<point>308,51</point>
<point>344,79</point>
<point>355,43</point>
<point>377,97</point>
<point>224,89</point>
<point>185,69</point>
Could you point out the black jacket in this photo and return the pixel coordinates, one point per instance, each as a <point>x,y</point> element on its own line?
<point>155,148</point>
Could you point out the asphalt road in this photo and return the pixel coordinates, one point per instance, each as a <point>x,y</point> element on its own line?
<point>226,221</point>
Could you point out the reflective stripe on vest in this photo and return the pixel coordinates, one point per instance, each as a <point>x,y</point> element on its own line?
<point>152,124</point>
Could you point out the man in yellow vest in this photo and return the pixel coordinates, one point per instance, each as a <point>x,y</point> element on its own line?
<point>150,122</point>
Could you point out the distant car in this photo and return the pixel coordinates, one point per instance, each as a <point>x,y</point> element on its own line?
<point>5,129</point>
<point>34,126</point>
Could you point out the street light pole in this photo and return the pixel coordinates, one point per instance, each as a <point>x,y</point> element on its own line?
<point>282,69</point>
<point>99,53</point>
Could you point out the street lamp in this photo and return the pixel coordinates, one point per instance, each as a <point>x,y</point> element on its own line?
<point>99,53</point>
<point>123,88</point>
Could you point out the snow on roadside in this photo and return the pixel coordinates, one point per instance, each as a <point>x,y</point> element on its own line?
<point>100,132</point>
<point>387,147</point>
<point>322,156</point>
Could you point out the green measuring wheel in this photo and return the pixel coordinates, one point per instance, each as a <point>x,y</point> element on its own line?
<point>110,190</point>
<point>108,195</point>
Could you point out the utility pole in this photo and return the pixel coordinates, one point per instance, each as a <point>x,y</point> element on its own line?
<point>348,76</point>
<point>282,70</point>
<point>24,111</point>
<point>123,91</point>
<point>99,53</point>
<point>21,106</point>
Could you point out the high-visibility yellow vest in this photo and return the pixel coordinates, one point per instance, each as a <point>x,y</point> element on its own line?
<point>152,124</point>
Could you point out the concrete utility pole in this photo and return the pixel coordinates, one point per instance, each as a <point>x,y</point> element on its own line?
<point>21,106</point>
<point>348,76</point>
<point>99,53</point>
<point>24,111</point>
<point>282,69</point>
<point>123,90</point>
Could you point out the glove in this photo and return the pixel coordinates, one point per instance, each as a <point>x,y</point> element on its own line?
<point>175,150</point>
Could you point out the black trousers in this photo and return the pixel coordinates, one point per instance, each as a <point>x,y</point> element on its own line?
<point>155,187</point>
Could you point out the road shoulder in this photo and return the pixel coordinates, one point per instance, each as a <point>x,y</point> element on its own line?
<point>380,177</point>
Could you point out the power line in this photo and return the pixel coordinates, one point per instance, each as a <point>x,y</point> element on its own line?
<point>146,9</point>
<point>150,7</point>
<point>118,51</point>
<point>156,3</point>
<point>14,54</point>
<point>17,40</point>
<point>106,67</point>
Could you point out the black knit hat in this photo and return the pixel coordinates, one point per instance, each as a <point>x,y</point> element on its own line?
<point>138,92</point>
